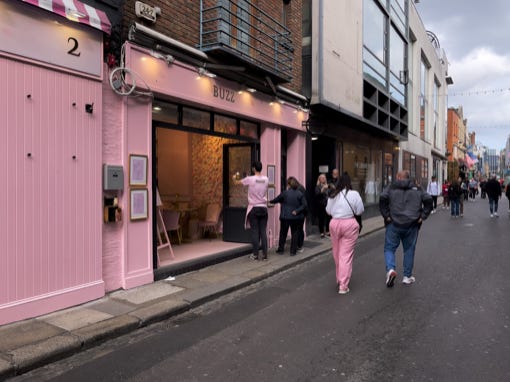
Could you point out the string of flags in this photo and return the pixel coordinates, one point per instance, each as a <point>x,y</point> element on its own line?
<point>480,92</point>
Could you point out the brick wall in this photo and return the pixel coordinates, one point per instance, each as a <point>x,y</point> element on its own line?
<point>180,20</point>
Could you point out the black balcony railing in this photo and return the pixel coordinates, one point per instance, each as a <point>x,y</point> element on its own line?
<point>248,34</point>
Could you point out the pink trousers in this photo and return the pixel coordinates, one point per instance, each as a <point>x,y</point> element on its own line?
<point>344,233</point>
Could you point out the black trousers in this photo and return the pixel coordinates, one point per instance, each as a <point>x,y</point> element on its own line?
<point>321,216</point>
<point>296,227</point>
<point>258,226</point>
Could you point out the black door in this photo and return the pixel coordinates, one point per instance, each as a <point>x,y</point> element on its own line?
<point>237,160</point>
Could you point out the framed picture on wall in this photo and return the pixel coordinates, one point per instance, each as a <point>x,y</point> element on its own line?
<point>271,194</point>
<point>138,170</point>
<point>139,204</point>
<point>271,170</point>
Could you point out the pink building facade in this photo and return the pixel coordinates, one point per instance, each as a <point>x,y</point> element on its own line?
<point>63,119</point>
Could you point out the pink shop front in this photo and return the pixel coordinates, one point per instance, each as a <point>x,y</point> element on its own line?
<point>68,236</point>
<point>196,132</point>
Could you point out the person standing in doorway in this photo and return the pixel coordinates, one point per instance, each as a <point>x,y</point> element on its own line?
<point>321,200</point>
<point>342,205</point>
<point>291,215</point>
<point>404,206</point>
<point>493,190</point>
<point>256,213</point>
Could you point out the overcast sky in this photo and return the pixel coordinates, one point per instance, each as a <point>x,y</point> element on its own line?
<point>476,38</point>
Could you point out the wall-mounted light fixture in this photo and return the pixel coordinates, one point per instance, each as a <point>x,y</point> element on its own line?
<point>204,72</point>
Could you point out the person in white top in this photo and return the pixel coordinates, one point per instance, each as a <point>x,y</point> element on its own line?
<point>256,213</point>
<point>433,189</point>
<point>343,204</point>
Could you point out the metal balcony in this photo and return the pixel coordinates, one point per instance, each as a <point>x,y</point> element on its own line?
<point>239,33</point>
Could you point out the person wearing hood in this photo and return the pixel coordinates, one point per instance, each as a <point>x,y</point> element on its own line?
<point>403,206</point>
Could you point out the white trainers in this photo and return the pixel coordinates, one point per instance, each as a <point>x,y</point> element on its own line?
<point>492,215</point>
<point>408,280</point>
<point>343,291</point>
<point>390,278</point>
<point>496,214</point>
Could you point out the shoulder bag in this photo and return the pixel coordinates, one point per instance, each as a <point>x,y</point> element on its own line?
<point>357,217</point>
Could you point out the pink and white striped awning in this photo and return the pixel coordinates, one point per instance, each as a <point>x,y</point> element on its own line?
<point>77,11</point>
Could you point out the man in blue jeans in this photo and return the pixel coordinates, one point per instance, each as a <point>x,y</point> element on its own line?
<point>404,206</point>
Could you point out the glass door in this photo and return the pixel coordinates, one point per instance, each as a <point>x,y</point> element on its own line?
<point>237,161</point>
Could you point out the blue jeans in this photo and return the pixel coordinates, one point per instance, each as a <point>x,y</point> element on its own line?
<point>409,237</point>
<point>455,206</point>
<point>493,205</point>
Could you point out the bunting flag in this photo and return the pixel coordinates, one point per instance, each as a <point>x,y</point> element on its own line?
<point>469,161</point>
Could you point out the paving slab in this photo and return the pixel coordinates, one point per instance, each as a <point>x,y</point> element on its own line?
<point>26,332</point>
<point>146,293</point>
<point>30,356</point>
<point>159,311</point>
<point>111,306</point>
<point>75,318</point>
<point>107,329</point>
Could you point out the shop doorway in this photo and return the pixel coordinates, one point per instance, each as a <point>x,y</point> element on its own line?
<point>237,161</point>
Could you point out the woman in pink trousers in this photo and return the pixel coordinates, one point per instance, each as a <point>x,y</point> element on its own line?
<point>343,204</point>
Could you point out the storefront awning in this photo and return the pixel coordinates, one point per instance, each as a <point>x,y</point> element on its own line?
<point>77,11</point>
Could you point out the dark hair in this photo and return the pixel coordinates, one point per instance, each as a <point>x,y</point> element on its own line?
<point>343,182</point>
<point>257,166</point>
<point>293,183</point>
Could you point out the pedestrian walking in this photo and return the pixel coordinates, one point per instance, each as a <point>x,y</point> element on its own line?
<point>493,190</point>
<point>343,204</point>
<point>455,195</point>
<point>507,193</point>
<point>404,206</point>
<point>483,194</point>
<point>256,213</point>
<point>321,200</point>
<point>473,185</point>
<point>446,198</point>
<point>291,215</point>
<point>434,190</point>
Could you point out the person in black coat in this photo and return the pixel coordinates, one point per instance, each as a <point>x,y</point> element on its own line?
<point>493,190</point>
<point>291,214</point>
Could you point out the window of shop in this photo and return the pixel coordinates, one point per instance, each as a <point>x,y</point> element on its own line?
<point>365,167</point>
<point>417,166</point>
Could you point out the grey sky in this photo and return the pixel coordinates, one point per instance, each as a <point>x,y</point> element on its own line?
<point>476,38</point>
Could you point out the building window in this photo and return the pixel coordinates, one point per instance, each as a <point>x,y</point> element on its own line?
<point>423,99</point>
<point>374,42</point>
<point>435,100</point>
<point>385,33</point>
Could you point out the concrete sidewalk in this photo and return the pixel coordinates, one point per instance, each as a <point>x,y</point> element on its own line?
<point>35,342</point>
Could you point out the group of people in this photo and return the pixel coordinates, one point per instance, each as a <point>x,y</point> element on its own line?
<point>404,205</point>
<point>460,190</point>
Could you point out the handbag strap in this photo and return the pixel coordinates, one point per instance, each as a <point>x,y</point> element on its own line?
<point>347,200</point>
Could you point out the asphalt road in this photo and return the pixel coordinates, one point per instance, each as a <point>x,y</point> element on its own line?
<point>453,324</point>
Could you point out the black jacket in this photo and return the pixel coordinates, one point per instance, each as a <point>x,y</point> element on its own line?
<point>493,189</point>
<point>405,203</point>
<point>291,200</point>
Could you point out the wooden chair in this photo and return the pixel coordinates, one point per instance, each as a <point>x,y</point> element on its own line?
<point>171,219</point>
<point>212,217</point>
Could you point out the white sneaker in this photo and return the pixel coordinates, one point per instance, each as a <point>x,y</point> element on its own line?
<point>492,215</point>
<point>390,278</point>
<point>496,214</point>
<point>343,291</point>
<point>408,280</point>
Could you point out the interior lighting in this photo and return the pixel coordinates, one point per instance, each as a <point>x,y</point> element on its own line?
<point>251,90</point>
